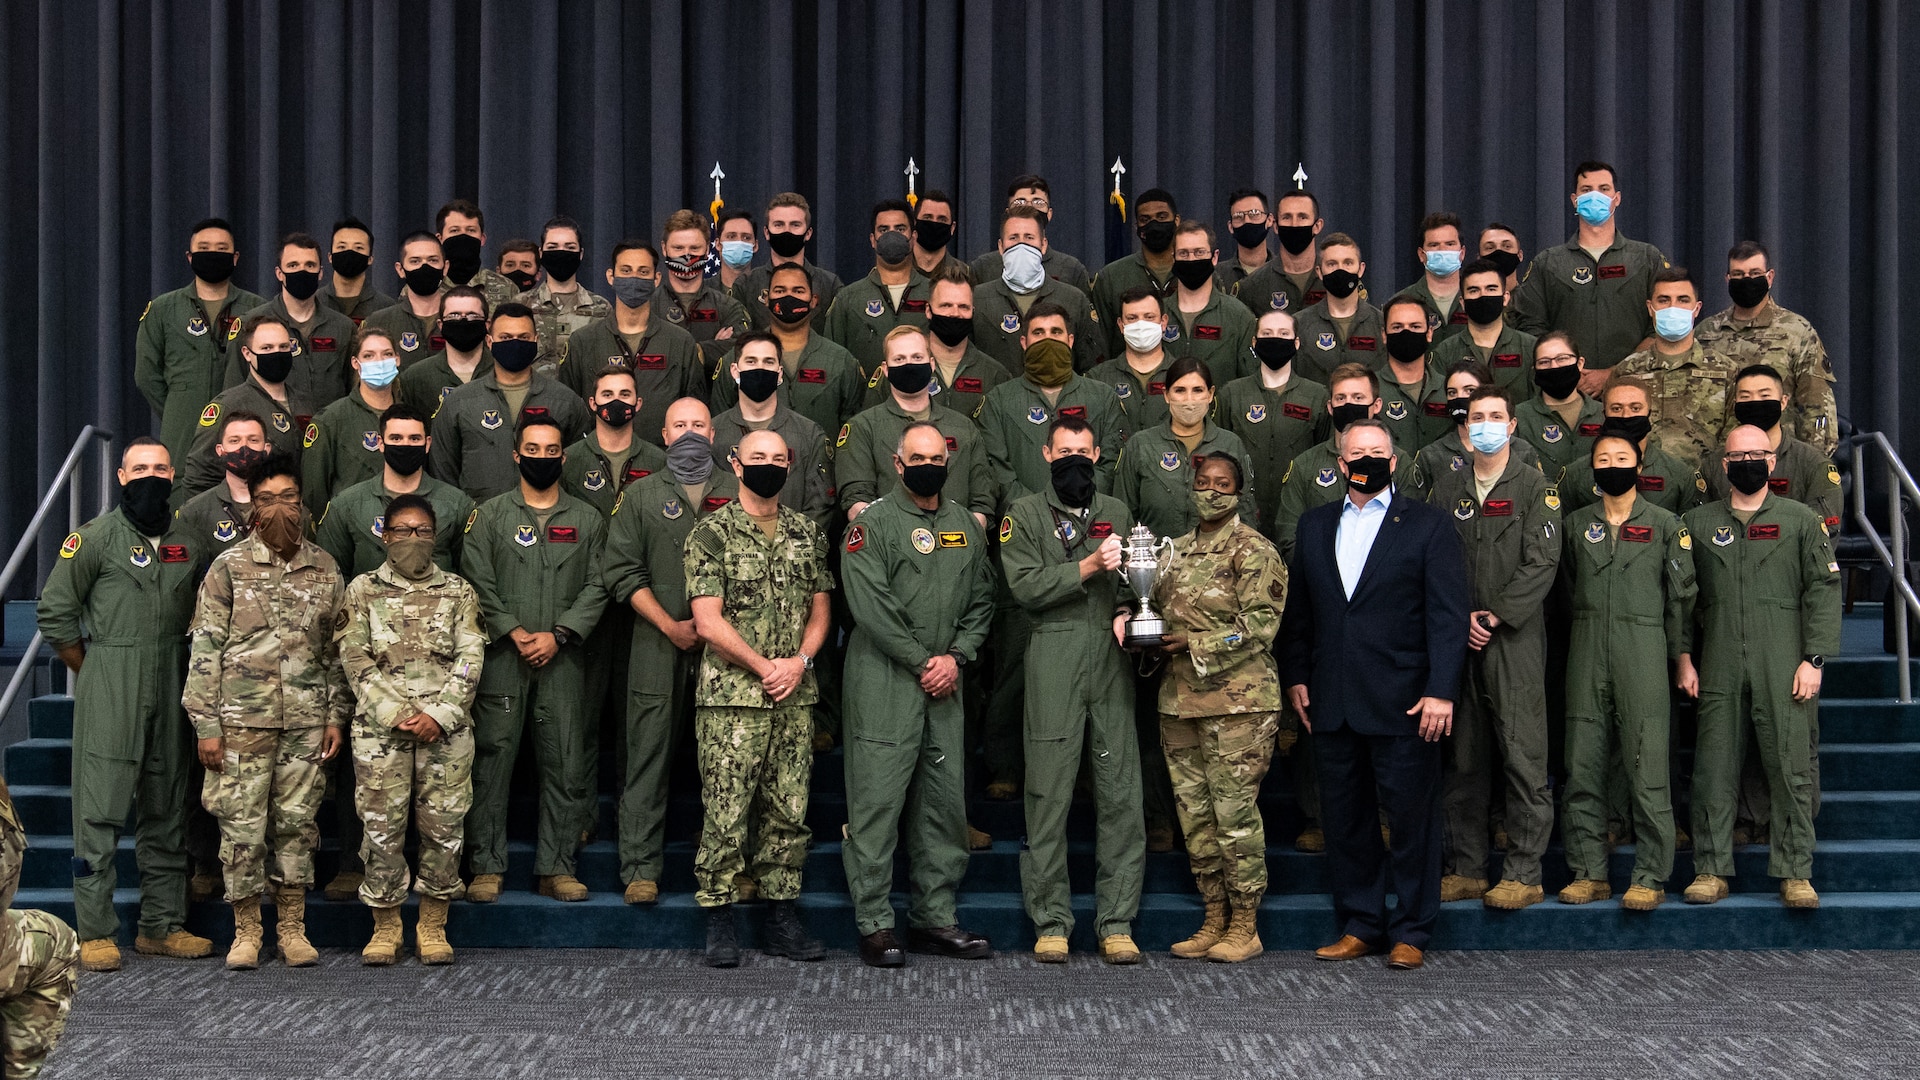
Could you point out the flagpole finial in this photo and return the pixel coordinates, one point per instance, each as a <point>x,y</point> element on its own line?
<point>1300,175</point>
<point>713,208</point>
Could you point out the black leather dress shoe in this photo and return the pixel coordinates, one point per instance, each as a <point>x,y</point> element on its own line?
<point>882,949</point>
<point>949,941</point>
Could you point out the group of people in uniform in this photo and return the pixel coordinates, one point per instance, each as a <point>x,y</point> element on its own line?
<point>754,508</point>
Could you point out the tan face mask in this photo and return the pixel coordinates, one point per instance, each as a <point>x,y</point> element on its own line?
<point>412,558</point>
<point>1188,413</point>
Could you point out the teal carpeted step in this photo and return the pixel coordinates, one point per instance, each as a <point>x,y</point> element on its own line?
<point>50,716</point>
<point>1867,815</point>
<point>1867,720</point>
<point>40,761</point>
<point>1869,766</point>
<point>1875,675</point>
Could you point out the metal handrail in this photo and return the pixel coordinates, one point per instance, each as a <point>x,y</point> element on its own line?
<point>1893,555</point>
<point>76,514</point>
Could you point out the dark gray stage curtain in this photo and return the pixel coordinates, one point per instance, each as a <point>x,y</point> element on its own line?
<point>126,120</point>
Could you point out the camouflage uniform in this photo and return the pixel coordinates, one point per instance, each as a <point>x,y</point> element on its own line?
<point>1220,701</point>
<point>264,675</point>
<point>556,316</point>
<point>411,647</point>
<point>496,286</point>
<point>756,756</point>
<point>1788,342</point>
<point>353,526</point>
<point>809,488</point>
<point>39,963</point>
<point>1692,404</point>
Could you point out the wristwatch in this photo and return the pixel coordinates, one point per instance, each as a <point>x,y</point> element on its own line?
<point>562,636</point>
<point>1816,660</point>
<point>806,661</point>
<point>958,660</point>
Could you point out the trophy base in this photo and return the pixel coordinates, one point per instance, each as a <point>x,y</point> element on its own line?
<point>1145,633</point>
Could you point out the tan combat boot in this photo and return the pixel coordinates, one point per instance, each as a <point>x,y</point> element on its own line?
<point>430,934</point>
<point>1706,889</point>
<point>1642,898</point>
<point>1119,949</point>
<point>485,889</point>
<point>204,885</point>
<point>1050,949</point>
<point>642,892</point>
<point>178,944</point>
<point>1459,887</point>
<point>384,947</point>
<point>1512,895</point>
<point>745,889</point>
<point>563,887</point>
<point>344,886</point>
<point>1798,893</point>
<point>245,953</point>
<point>1585,891</point>
<point>1312,840</point>
<point>292,927</point>
<point>100,954</point>
<point>1242,941</point>
<point>1213,926</point>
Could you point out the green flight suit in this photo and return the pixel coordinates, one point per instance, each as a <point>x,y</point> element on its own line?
<point>1444,327</point>
<point>1275,426</point>
<point>286,425</point>
<point>1769,598</point>
<point>1272,289</point>
<point>964,392</point>
<point>414,339</point>
<point>592,477</point>
<point>1416,413</point>
<point>1058,266</point>
<point>1229,273</point>
<point>1324,346</point>
<point>664,360</point>
<point>214,522</point>
<point>1314,479</point>
<point>132,602</point>
<point>1112,282</point>
<point>352,528</point>
<point>534,576</point>
<point>180,357</point>
<point>1220,334</point>
<point>704,316</point>
<point>1016,417</point>
<point>1509,361</point>
<point>1603,303</point>
<point>1079,695</point>
<point>1667,480</point>
<point>426,384</point>
<point>340,448</point>
<point>322,353</point>
<point>474,432</point>
<point>864,313</point>
<point>1800,472</point>
<point>1511,540</point>
<point>646,548</point>
<point>1142,400</point>
<point>920,585</point>
<point>357,308</point>
<point>1789,342</point>
<point>998,312</point>
<point>1449,454</point>
<point>863,458</point>
<point>751,288</point>
<point>1633,593</point>
<point>822,382</point>
<point>810,466</point>
<point>1559,443</point>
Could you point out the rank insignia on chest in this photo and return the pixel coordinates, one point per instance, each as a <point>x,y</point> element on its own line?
<point>409,341</point>
<point>595,480</point>
<point>225,531</point>
<point>1010,323</point>
<point>562,534</point>
<point>1278,301</point>
<point>1763,532</point>
<point>1464,510</point>
<point>1596,532</point>
<point>953,539</point>
<point>1122,390</point>
<point>1170,460</point>
<point>1326,477</point>
<point>1722,535</point>
<point>491,419</point>
<point>672,510</point>
<point>281,423</point>
<point>312,436</point>
<point>1036,415</point>
<point>1324,342</point>
<point>1256,413</point>
<point>173,553</point>
<point>141,558</point>
<point>1396,410</point>
<point>1066,530</point>
<point>525,536</point>
<point>923,541</point>
<point>1552,433</point>
<point>370,441</point>
<point>197,326</point>
<point>379,529</point>
<point>1637,534</point>
<point>1457,463</point>
<point>1582,275</point>
<point>875,309</point>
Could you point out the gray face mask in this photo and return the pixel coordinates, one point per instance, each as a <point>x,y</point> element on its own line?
<point>633,291</point>
<point>690,458</point>
<point>892,247</point>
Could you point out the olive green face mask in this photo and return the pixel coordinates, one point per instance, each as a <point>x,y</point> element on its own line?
<point>412,558</point>
<point>1049,362</point>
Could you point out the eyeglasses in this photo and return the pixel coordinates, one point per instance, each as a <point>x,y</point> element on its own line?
<point>291,498</point>
<point>404,532</point>
<point>1736,275</point>
<point>1554,361</point>
<point>1247,216</point>
<point>1750,455</point>
<point>1036,202</point>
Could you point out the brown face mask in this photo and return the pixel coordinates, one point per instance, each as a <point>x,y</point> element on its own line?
<point>278,527</point>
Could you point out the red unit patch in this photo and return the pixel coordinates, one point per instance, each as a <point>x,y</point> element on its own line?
<point>714,502</point>
<point>650,362</point>
<point>704,315</point>
<point>325,344</point>
<point>1206,333</point>
<point>1078,412</point>
<point>1777,484</point>
<point>1435,409</point>
<point>968,385</point>
<point>1588,431</point>
<point>1506,359</point>
<point>914,307</point>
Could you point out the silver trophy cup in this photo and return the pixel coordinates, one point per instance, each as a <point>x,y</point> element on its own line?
<point>1142,569</point>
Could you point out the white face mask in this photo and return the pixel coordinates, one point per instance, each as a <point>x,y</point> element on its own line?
<point>1021,269</point>
<point>1143,336</point>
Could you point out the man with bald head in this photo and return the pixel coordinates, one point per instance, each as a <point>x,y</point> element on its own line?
<point>757,584</point>
<point>1769,613</point>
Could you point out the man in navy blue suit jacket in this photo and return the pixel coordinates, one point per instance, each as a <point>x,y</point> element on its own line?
<point>1371,648</point>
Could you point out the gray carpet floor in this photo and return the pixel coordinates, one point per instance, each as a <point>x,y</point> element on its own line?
<point>603,1013</point>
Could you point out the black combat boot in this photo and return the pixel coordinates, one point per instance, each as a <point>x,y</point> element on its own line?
<point>785,936</point>
<point>723,943</point>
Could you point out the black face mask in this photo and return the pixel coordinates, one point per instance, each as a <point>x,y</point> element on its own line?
<point>522,279</point>
<point>909,378</point>
<point>789,309</point>
<point>541,473</point>
<point>1747,291</point>
<point>1761,414</point>
<point>1507,261</point>
<point>348,263</point>
<point>514,354</point>
<point>212,267</point>
<point>1340,283</point>
<point>424,280</point>
<point>144,500</point>
<point>1192,273</point>
<point>1295,238</point>
<point>1250,235</point>
<point>615,413</point>
<point>1457,410</point>
<point>1407,346</point>
<point>1073,479</point>
<point>1156,236</point>
<point>763,480</point>
<point>924,480</point>
<point>932,235</point>
<point>1275,352</point>
<point>1367,475</point>
<point>273,367</point>
<point>1484,309</point>
<point>1616,481</point>
<point>1747,477</point>
<point>302,284</point>
<point>1342,415</point>
<point>465,335</point>
<point>463,256</point>
<point>559,263</point>
<point>1631,428</point>
<point>950,329</point>
<point>405,459</point>
<point>242,461</point>
<point>758,384</point>
<point>1559,382</point>
<point>787,244</point>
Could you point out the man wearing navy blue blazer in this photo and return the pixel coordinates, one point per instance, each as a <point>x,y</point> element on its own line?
<point>1371,650</point>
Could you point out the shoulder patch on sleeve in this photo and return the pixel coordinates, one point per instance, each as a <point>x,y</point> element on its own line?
<point>1700,483</point>
<point>856,537</point>
<point>1833,475</point>
<point>1552,498</point>
<point>471,518</point>
<point>312,436</point>
<point>1686,541</point>
<point>878,374</point>
<point>210,415</point>
<point>1289,474</point>
<point>845,430</point>
<point>71,546</point>
<point>1006,528</point>
<point>145,310</point>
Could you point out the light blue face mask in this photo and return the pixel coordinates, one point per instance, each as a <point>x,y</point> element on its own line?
<point>1487,436</point>
<point>1442,263</point>
<point>379,373</point>
<point>1673,323</point>
<point>1594,207</point>
<point>736,253</point>
<point>1021,268</point>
